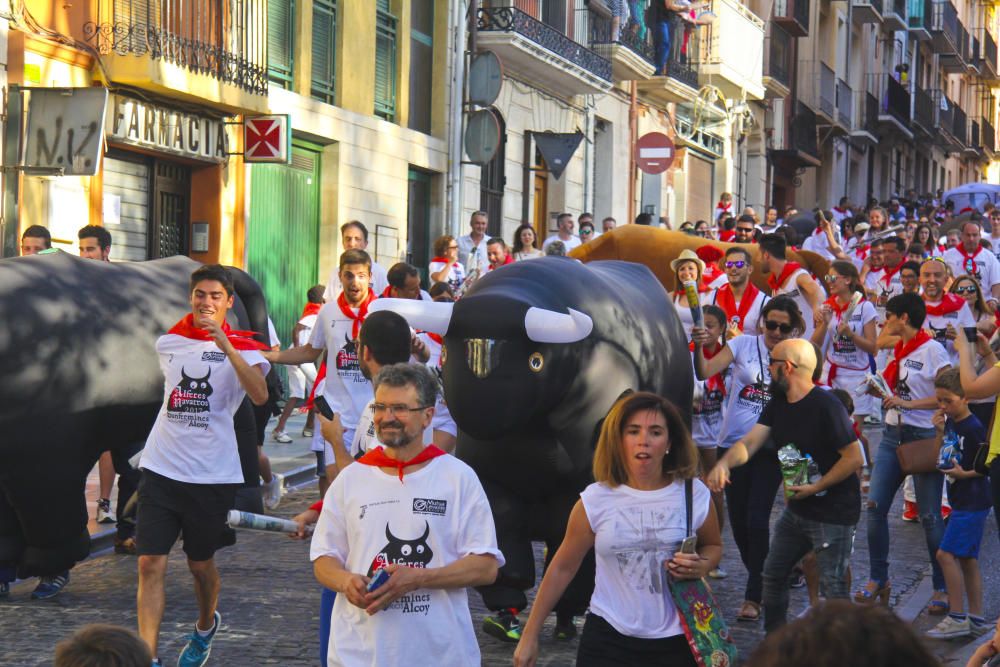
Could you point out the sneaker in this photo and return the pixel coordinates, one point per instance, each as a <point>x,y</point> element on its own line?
<point>195,654</point>
<point>272,492</point>
<point>307,433</point>
<point>282,437</point>
<point>565,628</point>
<point>950,628</point>
<point>797,579</point>
<point>977,629</point>
<point>718,573</point>
<point>49,587</point>
<point>504,626</point>
<point>104,514</point>
<point>910,513</point>
<point>872,420</point>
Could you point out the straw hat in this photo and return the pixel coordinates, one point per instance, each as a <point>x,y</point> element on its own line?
<point>688,256</point>
<point>862,227</point>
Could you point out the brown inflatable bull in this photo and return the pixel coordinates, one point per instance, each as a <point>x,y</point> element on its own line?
<point>656,248</point>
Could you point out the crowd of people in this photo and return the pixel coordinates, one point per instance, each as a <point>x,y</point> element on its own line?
<point>897,337</point>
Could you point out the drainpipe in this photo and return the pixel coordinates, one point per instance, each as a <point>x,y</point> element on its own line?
<point>456,99</point>
<point>633,123</point>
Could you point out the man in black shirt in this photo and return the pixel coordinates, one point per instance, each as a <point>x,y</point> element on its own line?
<point>821,516</point>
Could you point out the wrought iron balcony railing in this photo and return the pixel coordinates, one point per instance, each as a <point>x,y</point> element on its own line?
<point>988,135</point>
<point>802,134</point>
<point>866,118</point>
<point>923,109</point>
<point>893,97</point>
<point>779,55</point>
<point>793,16</point>
<point>961,127</point>
<point>633,34</point>
<point>224,40</point>
<point>944,27</point>
<point>845,105</point>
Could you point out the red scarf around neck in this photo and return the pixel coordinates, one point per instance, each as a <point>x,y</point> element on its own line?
<point>888,273</point>
<point>726,300</point>
<point>835,306</point>
<point>775,282</point>
<point>900,352</point>
<point>714,383</point>
<point>311,309</point>
<point>241,340</point>
<point>346,309</point>
<point>378,457</point>
<point>445,261</point>
<point>949,304</point>
<point>969,261</point>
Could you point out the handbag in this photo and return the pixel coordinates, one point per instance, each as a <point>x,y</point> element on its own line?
<point>700,615</point>
<point>918,456</point>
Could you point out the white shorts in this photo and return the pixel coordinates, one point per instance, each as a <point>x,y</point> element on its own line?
<point>442,420</point>
<point>300,379</point>
<point>328,449</point>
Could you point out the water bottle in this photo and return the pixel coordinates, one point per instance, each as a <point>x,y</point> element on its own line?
<point>949,455</point>
<point>814,475</point>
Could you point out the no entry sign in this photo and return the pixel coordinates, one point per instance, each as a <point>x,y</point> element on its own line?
<point>654,152</point>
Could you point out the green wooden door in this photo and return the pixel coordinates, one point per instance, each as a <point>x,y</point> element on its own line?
<point>282,237</point>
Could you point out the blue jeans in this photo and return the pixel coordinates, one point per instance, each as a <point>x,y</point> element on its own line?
<point>326,600</point>
<point>886,480</point>
<point>795,536</point>
<point>661,37</point>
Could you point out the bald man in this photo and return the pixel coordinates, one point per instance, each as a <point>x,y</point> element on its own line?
<point>820,516</point>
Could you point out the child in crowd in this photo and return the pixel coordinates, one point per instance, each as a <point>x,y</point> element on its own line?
<point>969,493</point>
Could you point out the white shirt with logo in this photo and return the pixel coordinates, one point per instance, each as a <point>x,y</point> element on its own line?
<point>791,289</point>
<point>842,351</point>
<point>748,388</point>
<point>193,439</point>
<point>436,516</point>
<point>379,281</point>
<point>344,388</point>
<point>987,269</point>
<point>752,320</point>
<point>937,326</point>
<point>916,381</point>
<point>365,437</point>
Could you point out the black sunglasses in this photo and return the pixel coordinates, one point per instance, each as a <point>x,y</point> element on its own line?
<point>774,360</point>
<point>745,230</point>
<point>966,289</point>
<point>771,325</point>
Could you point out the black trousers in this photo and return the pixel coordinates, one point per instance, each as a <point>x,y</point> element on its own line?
<point>749,499</point>
<point>128,483</point>
<point>603,646</point>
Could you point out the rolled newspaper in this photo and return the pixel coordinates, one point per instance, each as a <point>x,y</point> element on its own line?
<point>855,300</point>
<point>251,521</point>
<point>691,291</point>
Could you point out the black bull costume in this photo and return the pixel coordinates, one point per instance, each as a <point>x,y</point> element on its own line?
<point>535,354</point>
<point>79,375</point>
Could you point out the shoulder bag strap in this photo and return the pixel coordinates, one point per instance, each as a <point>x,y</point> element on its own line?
<point>688,502</point>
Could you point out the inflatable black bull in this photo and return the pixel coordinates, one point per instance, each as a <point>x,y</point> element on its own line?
<point>79,375</point>
<point>535,354</point>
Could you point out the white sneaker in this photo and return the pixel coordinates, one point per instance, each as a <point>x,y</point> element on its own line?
<point>273,491</point>
<point>949,628</point>
<point>282,437</point>
<point>718,573</point>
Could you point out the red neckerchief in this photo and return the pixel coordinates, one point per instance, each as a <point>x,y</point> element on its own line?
<point>819,230</point>
<point>311,309</point>
<point>842,211</point>
<point>507,260</point>
<point>838,310</point>
<point>969,264</point>
<point>724,207</point>
<point>435,337</point>
<point>891,372</point>
<point>727,235</point>
<point>726,300</point>
<point>346,309</point>
<point>445,261</point>
<point>241,340</point>
<point>377,457</point>
<point>714,383</point>
<point>949,304</point>
<point>320,374</point>
<point>887,274</point>
<point>861,251</point>
<point>775,283</point>
<point>386,293</point>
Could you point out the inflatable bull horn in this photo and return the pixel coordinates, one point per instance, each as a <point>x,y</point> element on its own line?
<point>540,325</point>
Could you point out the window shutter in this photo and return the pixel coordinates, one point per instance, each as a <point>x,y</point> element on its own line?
<point>385,62</point>
<point>324,37</point>
<point>280,34</point>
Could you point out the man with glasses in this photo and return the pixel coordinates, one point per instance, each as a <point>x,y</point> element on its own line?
<point>946,314</point>
<point>586,231</point>
<point>745,229</point>
<point>421,516</point>
<point>739,298</point>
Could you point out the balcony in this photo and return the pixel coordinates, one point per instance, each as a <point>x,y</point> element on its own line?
<point>198,50</point>
<point>893,103</point>
<point>866,117</point>
<point>818,89</point>
<point>944,121</point>
<point>923,111</point>
<point>680,83</point>
<point>539,53</point>
<point>961,127</point>
<point>629,48</point>
<point>957,62</point>
<point>972,57</point>
<point>894,17</point>
<point>778,63</point>
<point>944,28</point>
<point>919,19</point>
<point>845,106</point>
<point>797,146</point>
<point>988,59</point>
<point>732,53</point>
<point>973,147</point>
<point>793,16</point>
<point>867,11</point>
<point>988,138</point>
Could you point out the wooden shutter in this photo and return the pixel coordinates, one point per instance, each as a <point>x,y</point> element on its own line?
<point>385,62</point>
<point>324,38</point>
<point>700,184</point>
<point>125,187</point>
<point>280,34</point>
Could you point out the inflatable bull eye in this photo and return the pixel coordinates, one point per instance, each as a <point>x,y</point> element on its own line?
<point>444,354</point>
<point>536,362</point>
<point>483,355</point>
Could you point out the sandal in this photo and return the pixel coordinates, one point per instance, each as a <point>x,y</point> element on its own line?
<point>938,606</point>
<point>749,612</point>
<point>873,592</point>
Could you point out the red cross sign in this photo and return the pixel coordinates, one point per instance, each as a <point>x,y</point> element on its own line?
<point>267,139</point>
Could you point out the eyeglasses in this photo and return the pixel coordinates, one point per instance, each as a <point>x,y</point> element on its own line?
<point>831,277</point>
<point>382,408</point>
<point>737,264</point>
<point>771,325</point>
<point>774,360</point>
<point>586,232</point>
<point>966,289</point>
<point>744,230</point>
<point>453,247</point>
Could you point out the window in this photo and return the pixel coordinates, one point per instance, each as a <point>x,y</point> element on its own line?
<point>324,39</point>
<point>280,37</point>
<point>385,61</point>
<point>492,181</point>
<point>421,64</point>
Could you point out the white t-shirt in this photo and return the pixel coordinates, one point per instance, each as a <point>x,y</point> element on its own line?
<point>344,388</point>
<point>720,280</point>
<point>748,388</point>
<point>379,281</point>
<point>791,289</point>
<point>365,437</point>
<point>193,439</point>
<point>472,260</point>
<point>986,270</point>
<point>574,241</point>
<point>436,516</point>
<point>684,311</point>
<point>819,244</point>
<point>883,288</point>
<point>455,278</point>
<point>916,381</point>
<point>844,353</point>
<point>937,325</point>
<point>707,411</point>
<point>636,533</point>
<point>305,333</point>
<point>752,318</point>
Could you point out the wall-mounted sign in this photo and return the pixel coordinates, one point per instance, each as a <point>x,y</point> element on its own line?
<point>267,139</point>
<point>64,129</point>
<point>148,125</point>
